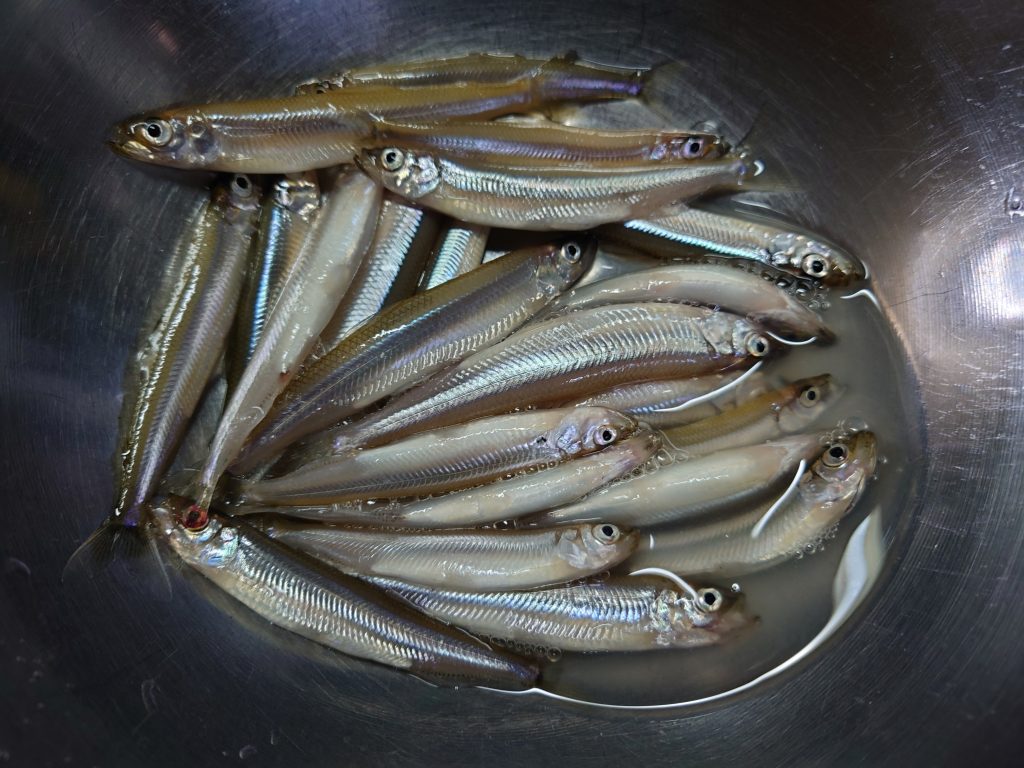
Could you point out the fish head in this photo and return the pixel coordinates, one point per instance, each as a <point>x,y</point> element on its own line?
<point>179,138</point>
<point>588,429</point>
<point>200,538</point>
<point>241,195</point>
<point>734,336</point>
<point>562,265</point>
<point>403,171</point>
<point>838,477</point>
<point>808,399</point>
<point>851,457</point>
<point>701,619</point>
<point>828,263</point>
<point>591,547</point>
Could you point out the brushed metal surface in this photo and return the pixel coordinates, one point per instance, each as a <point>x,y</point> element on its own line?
<point>904,123</point>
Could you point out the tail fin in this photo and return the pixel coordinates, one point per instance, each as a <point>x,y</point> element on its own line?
<point>113,541</point>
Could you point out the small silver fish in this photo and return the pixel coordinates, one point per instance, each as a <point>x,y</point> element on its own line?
<point>750,541</point>
<point>547,197</point>
<point>619,614</point>
<point>686,490</point>
<point>455,457</point>
<point>522,494</point>
<point>746,235</point>
<point>481,559</point>
<point>184,349</point>
<point>316,602</point>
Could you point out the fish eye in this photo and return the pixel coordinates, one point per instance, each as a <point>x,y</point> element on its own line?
<point>709,600</point>
<point>758,345</point>
<point>606,533</point>
<point>606,435</point>
<point>194,518</point>
<point>392,159</point>
<point>694,147</point>
<point>810,396</point>
<point>815,265</point>
<point>835,455</point>
<point>241,185</point>
<point>572,252</point>
<point>156,133</point>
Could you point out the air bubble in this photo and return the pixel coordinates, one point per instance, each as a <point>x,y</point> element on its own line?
<point>853,424</point>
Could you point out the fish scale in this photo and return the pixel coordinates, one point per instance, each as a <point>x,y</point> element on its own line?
<point>458,251</point>
<point>400,244</point>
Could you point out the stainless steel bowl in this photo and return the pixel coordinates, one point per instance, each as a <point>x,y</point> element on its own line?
<point>903,122</point>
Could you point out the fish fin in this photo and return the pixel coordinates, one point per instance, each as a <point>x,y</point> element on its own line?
<point>99,545</point>
<point>118,550</point>
<point>665,95</point>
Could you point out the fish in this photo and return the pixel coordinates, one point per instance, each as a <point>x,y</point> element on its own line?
<point>528,143</point>
<point>310,599</point>
<point>685,490</point>
<point>182,353</point>
<point>285,224</point>
<point>459,249</point>
<point>563,358</point>
<point>502,500</point>
<point>477,559</point>
<point>553,196</point>
<point>414,338</point>
<point>714,285</point>
<point>451,458</point>
<point>745,235</point>
<point>766,416</point>
<point>309,297</point>
<point>649,401</point>
<point>773,532</point>
<point>620,614</point>
<point>560,74</point>
<point>314,130</point>
<point>391,269</point>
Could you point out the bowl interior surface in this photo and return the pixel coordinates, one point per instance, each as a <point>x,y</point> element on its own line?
<point>899,129</point>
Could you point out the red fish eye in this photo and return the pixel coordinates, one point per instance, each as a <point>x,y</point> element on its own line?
<point>194,518</point>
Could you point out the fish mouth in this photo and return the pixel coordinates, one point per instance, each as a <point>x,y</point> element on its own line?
<point>123,142</point>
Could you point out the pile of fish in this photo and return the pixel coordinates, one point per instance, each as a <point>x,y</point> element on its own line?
<point>451,455</point>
